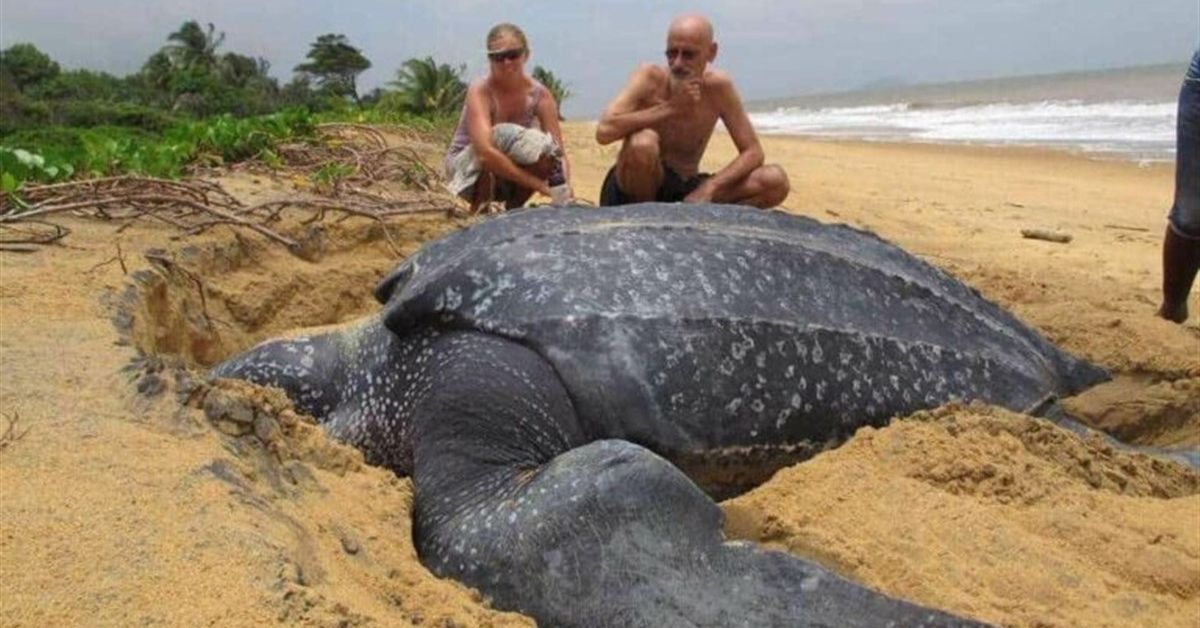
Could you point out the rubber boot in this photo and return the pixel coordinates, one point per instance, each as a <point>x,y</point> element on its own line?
<point>1181,259</point>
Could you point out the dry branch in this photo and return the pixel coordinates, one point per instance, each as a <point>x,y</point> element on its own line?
<point>118,258</point>
<point>168,265</point>
<point>16,238</point>
<point>194,205</point>
<point>1125,227</point>
<point>11,434</point>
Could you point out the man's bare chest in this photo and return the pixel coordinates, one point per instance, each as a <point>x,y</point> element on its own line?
<point>689,131</point>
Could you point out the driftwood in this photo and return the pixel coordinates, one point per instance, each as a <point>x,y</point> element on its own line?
<point>1049,236</point>
<point>20,248</point>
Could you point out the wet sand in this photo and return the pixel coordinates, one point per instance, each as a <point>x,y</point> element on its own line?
<point>122,502</point>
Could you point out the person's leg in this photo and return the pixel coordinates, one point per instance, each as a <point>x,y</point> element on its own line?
<point>639,169</point>
<point>1181,244</point>
<point>1180,261</point>
<point>483,191</point>
<point>514,195</point>
<point>765,187</point>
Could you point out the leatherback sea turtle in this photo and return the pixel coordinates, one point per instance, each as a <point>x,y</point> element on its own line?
<point>538,373</point>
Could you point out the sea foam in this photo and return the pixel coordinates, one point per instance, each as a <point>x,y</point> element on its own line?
<point>1134,130</point>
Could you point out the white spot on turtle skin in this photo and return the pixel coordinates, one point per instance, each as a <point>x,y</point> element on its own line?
<point>450,299</point>
<point>306,361</point>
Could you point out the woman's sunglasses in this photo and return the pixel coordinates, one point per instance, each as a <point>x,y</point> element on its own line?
<point>506,55</point>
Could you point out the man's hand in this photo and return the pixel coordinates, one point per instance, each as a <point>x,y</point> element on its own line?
<point>685,94</point>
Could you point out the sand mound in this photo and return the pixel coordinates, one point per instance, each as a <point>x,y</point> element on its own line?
<point>350,525</point>
<point>1143,411</point>
<point>996,516</point>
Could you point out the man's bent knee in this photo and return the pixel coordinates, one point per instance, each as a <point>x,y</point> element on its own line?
<point>774,183</point>
<point>642,147</point>
<point>638,170</point>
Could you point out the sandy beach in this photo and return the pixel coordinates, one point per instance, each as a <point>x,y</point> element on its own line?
<point>123,503</point>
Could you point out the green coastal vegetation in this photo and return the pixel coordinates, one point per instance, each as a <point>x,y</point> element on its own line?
<point>192,101</point>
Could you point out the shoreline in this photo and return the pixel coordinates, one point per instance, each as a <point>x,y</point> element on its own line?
<point>1073,150</point>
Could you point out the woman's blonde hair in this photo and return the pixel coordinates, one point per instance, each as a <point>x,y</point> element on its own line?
<point>505,28</point>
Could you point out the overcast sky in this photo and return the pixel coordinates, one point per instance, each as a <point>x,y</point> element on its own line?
<point>774,48</point>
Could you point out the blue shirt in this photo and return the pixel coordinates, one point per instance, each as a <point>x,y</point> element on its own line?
<point>1194,70</point>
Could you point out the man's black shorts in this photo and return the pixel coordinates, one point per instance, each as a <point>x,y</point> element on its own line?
<point>672,190</point>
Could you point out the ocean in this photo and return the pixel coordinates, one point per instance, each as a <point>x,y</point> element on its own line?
<point>1127,113</point>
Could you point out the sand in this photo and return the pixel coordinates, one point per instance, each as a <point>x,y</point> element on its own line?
<point>134,492</point>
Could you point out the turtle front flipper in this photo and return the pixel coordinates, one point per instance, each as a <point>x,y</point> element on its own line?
<point>304,367</point>
<point>512,500</point>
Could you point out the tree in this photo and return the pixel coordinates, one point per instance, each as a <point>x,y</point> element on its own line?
<point>557,88</point>
<point>82,85</point>
<point>242,71</point>
<point>194,48</point>
<point>188,75</point>
<point>429,88</point>
<point>182,74</point>
<point>26,65</point>
<point>298,92</point>
<point>156,71</point>
<point>335,65</point>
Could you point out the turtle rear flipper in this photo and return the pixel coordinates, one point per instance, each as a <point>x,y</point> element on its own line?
<point>509,500</point>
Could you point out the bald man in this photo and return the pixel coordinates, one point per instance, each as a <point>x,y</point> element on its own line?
<point>666,115</point>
